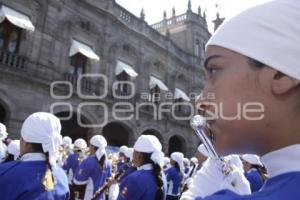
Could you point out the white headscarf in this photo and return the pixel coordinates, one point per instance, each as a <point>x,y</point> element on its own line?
<point>67,141</point>
<point>80,144</point>
<point>100,142</point>
<point>14,148</point>
<point>269,33</point>
<point>194,160</point>
<point>123,149</point>
<point>252,159</point>
<point>150,144</point>
<point>178,157</point>
<point>43,128</point>
<point>3,132</point>
<point>203,150</point>
<point>166,161</point>
<point>129,153</point>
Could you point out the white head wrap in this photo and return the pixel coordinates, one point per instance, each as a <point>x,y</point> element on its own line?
<point>14,148</point>
<point>150,144</point>
<point>3,132</point>
<point>43,128</point>
<point>252,159</point>
<point>178,157</point>
<point>123,149</point>
<point>203,150</point>
<point>186,160</point>
<point>194,160</point>
<point>129,153</point>
<point>67,141</point>
<point>80,143</point>
<point>269,33</point>
<point>166,161</point>
<point>100,142</point>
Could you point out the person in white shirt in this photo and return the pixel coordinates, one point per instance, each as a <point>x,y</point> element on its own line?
<point>252,68</point>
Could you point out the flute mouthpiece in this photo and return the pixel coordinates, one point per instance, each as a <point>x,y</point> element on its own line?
<point>197,121</point>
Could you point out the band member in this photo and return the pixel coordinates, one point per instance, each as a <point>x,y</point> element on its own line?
<point>174,176</point>
<point>73,161</point>
<point>36,175</point>
<point>122,157</point>
<point>129,165</point>
<point>13,150</point>
<point>254,171</point>
<point>94,170</point>
<point>253,59</point>
<point>186,164</point>
<point>3,147</point>
<point>197,162</point>
<point>167,163</point>
<point>146,183</point>
<point>65,150</point>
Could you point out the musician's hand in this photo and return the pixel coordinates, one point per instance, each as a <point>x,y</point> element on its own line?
<point>206,181</point>
<point>237,182</point>
<point>210,179</point>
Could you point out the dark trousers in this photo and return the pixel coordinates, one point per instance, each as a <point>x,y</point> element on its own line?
<point>172,198</point>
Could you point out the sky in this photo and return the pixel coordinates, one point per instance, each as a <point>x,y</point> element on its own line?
<point>154,8</point>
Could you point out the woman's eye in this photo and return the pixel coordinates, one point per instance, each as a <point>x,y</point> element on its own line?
<point>212,70</point>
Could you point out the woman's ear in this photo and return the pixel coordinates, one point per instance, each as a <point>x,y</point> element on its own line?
<point>282,83</point>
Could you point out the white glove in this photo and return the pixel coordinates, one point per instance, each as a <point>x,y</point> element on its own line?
<point>210,179</point>
<point>237,182</point>
<point>205,182</point>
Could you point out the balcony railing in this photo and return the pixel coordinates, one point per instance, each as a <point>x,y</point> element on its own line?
<point>123,96</point>
<point>12,60</point>
<point>87,86</point>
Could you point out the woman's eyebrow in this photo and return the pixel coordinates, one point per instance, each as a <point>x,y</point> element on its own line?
<point>209,59</point>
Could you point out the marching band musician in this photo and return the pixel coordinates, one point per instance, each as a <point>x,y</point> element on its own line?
<point>174,176</point>
<point>253,171</point>
<point>128,168</point>
<point>254,57</point>
<point>73,161</point>
<point>65,150</point>
<point>3,147</point>
<point>94,170</point>
<point>146,183</point>
<point>201,157</point>
<point>167,162</point>
<point>186,164</point>
<point>36,175</point>
<point>122,158</point>
<point>129,165</point>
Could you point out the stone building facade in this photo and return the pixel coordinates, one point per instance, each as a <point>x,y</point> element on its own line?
<point>75,61</point>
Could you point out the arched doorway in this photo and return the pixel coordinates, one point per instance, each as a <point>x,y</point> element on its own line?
<point>116,134</point>
<point>155,133</point>
<point>3,114</point>
<point>176,143</point>
<point>71,127</point>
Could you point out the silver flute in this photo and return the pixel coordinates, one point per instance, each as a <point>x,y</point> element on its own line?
<point>199,124</point>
